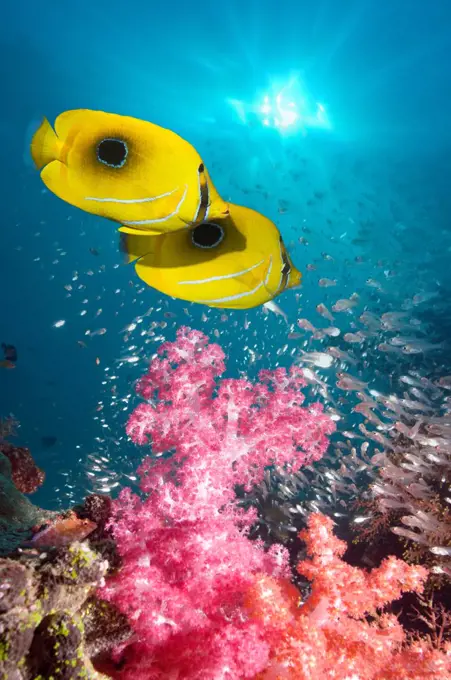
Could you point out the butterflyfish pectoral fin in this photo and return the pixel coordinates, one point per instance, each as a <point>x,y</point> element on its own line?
<point>45,146</point>
<point>136,246</point>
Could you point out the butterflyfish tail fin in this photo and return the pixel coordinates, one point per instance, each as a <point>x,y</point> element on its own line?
<point>294,278</point>
<point>134,246</point>
<point>45,146</point>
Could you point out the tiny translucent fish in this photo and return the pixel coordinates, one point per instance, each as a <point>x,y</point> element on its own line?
<point>327,283</point>
<point>354,338</point>
<point>320,359</point>
<point>306,325</point>
<point>344,305</point>
<point>340,354</point>
<point>99,331</point>
<point>423,297</point>
<point>385,347</point>
<point>273,307</point>
<point>441,550</point>
<point>420,347</point>
<point>348,382</point>
<point>370,320</point>
<point>323,311</point>
<point>59,324</point>
<point>372,283</point>
<point>332,331</point>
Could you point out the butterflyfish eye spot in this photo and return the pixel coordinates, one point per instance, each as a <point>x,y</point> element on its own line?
<point>112,152</point>
<point>207,235</point>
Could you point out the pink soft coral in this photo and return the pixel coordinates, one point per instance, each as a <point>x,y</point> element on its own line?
<point>187,561</point>
<point>205,602</point>
<point>223,434</point>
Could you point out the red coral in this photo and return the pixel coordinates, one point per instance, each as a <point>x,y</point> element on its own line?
<point>25,474</point>
<point>331,635</point>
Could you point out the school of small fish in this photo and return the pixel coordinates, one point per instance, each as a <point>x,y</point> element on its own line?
<point>365,328</point>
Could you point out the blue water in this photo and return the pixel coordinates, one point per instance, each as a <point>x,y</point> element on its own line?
<point>380,69</point>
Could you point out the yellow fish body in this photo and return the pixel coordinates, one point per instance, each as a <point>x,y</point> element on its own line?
<point>133,172</point>
<point>238,262</point>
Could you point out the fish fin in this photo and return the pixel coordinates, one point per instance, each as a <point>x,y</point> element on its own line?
<point>294,278</point>
<point>136,246</point>
<point>45,146</point>
<point>67,120</point>
<point>139,232</point>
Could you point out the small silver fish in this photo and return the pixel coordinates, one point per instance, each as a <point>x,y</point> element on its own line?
<point>385,347</point>
<point>323,311</point>
<point>332,331</point>
<point>419,298</point>
<point>327,283</point>
<point>370,320</point>
<point>306,325</point>
<point>372,283</point>
<point>319,359</point>
<point>344,304</point>
<point>348,382</point>
<point>354,338</point>
<point>341,355</point>
<point>274,307</point>
<point>420,347</point>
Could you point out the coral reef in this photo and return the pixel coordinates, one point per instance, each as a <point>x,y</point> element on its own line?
<point>18,475</point>
<point>41,626</point>
<point>179,581</point>
<point>24,472</point>
<point>203,600</point>
<point>187,560</point>
<point>341,631</point>
<point>17,514</point>
<point>51,623</point>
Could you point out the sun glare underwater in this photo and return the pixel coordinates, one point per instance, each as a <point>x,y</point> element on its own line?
<point>289,108</point>
<point>225,355</point>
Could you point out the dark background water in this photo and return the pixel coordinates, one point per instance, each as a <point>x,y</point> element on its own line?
<point>375,186</point>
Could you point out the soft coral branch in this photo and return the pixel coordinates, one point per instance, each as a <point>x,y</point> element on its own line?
<point>204,601</point>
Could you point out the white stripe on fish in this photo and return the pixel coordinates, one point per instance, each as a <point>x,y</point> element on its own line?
<point>224,276</point>
<point>160,219</point>
<point>232,297</point>
<point>149,199</point>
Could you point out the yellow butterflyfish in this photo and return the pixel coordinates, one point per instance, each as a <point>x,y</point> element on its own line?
<point>237,262</point>
<point>130,171</point>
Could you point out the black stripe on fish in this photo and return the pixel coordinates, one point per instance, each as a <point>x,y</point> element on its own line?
<point>204,196</point>
<point>286,268</point>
